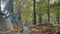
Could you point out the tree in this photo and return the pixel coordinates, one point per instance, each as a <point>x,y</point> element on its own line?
<point>41,10</point>
<point>58,17</point>
<point>34,12</point>
<point>55,9</point>
<point>20,6</point>
<point>48,10</point>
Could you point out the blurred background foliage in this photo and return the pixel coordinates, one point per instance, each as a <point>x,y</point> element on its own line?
<point>24,8</point>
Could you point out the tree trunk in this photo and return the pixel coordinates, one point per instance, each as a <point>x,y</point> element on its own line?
<point>34,13</point>
<point>58,16</point>
<point>48,6</point>
<point>40,19</point>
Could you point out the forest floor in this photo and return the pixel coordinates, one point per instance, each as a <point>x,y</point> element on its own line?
<point>44,28</point>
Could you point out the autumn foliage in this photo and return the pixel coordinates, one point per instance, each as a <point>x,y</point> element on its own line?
<point>45,28</point>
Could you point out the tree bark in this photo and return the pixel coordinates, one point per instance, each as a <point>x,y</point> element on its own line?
<point>34,12</point>
<point>58,16</point>
<point>48,6</point>
<point>40,19</point>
